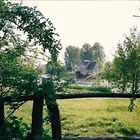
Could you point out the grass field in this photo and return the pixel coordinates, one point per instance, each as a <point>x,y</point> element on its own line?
<point>94,117</point>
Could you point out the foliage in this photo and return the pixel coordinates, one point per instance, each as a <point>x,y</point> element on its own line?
<point>81,89</point>
<point>17,74</point>
<point>87,52</point>
<point>72,57</point>
<point>96,78</point>
<point>31,22</point>
<point>59,77</point>
<point>98,52</point>
<point>129,61</point>
<point>55,69</point>
<point>125,64</point>
<point>22,30</point>
<point>44,136</point>
<point>99,89</point>
<point>124,73</point>
<point>108,72</point>
<point>94,53</point>
<point>15,129</point>
<point>18,130</point>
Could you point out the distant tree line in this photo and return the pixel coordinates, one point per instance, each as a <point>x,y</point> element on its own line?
<point>74,55</point>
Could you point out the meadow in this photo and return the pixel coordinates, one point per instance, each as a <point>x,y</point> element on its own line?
<point>93,117</point>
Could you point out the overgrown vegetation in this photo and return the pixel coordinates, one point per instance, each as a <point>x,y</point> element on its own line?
<point>15,129</point>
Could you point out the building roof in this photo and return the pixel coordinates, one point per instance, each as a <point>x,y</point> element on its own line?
<point>84,62</point>
<point>89,65</point>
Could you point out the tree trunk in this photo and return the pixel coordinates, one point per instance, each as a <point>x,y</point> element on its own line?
<point>37,114</point>
<point>55,121</point>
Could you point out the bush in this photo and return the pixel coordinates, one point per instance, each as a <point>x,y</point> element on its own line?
<point>15,129</point>
<point>44,136</point>
<point>95,89</point>
<point>77,87</point>
<point>100,89</point>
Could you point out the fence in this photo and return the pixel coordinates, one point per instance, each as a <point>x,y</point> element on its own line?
<point>37,110</point>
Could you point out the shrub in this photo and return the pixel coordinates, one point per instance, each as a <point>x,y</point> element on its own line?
<point>15,129</point>
<point>99,88</point>
<point>77,87</point>
<point>95,89</point>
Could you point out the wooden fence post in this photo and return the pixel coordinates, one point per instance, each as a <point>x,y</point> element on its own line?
<point>55,121</point>
<point>37,117</point>
<point>1,118</point>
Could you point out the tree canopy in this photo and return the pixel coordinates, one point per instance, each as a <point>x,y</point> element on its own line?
<point>32,23</point>
<point>24,35</point>
<point>72,56</point>
<point>124,72</point>
<point>87,52</point>
<point>98,52</point>
<point>17,73</point>
<point>22,28</point>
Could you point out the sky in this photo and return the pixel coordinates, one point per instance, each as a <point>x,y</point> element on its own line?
<point>79,22</point>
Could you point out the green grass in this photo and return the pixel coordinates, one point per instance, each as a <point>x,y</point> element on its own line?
<point>98,117</point>
<point>94,117</point>
<point>25,112</point>
<point>77,88</point>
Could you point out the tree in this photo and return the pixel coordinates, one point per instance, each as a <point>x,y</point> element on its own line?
<point>17,67</point>
<point>126,65</point>
<point>54,69</point>
<point>32,24</point>
<point>72,57</point>
<point>17,71</point>
<point>93,53</point>
<point>98,52</point>
<point>18,75</point>
<point>87,52</point>
<point>107,73</point>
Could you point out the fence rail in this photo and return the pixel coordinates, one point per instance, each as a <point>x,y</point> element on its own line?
<point>96,95</point>
<point>75,95</point>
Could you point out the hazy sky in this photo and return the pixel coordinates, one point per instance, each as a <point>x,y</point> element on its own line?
<point>79,22</point>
